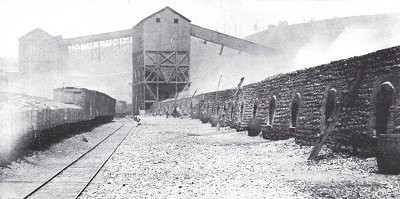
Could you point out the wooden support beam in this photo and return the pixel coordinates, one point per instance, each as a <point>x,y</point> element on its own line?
<point>193,94</point>
<point>238,88</point>
<point>99,37</point>
<point>99,51</point>
<point>328,128</point>
<point>230,41</point>
<point>158,99</point>
<point>216,93</point>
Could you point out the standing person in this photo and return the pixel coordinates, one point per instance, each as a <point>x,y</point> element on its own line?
<point>166,112</point>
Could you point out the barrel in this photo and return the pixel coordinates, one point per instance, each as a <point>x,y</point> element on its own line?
<point>214,120</point>
<point>205,118</point>
<point>388,154</point>
<point>223,123</point>
<point>201,115</point>
<point>254,127</point>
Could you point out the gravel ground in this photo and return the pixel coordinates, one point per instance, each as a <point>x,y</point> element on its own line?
<point>182,158</point>
<point>22,176</point>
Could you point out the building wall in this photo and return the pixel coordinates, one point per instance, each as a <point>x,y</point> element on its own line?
<point>356,124</point>
<point>137,64</point>
<point>166,35</point>
<point>39,53</point>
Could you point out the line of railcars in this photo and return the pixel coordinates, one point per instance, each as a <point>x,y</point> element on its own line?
<point>122,109</point>
<point>71,109</point>
<point>94,104</point>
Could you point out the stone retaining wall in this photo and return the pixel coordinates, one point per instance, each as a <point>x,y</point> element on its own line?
<point>357,81</point>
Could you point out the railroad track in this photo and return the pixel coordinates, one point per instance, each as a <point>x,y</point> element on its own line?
<point>73,179</point>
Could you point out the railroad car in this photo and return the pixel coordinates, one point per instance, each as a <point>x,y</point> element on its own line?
<point>26,120</point>
<point>95,105</point>
<point>121,109</point>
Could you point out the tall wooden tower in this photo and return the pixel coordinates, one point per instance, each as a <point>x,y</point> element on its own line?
<point>160,55</point>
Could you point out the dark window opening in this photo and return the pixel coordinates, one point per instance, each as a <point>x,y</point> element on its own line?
<point>175,20</point>
<point>384,99</point>
<point>272,107</point>
<point>158,20</point>
<point>330,104</point>
<point>241,112</point>
<point>295,109</point>
<point>217,109</point>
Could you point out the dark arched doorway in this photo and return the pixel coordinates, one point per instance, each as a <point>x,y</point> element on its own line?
<point>384,99</point>
<point>232,112</point>
<point>271,110</point>
<point>330,105</point>
<point>255,108</point>
<point>295,109</point>
<point>241,112</point>
<point>225,105</point>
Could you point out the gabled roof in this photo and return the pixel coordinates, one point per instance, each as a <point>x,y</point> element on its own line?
<point>162,10</point>
<point>36,31</point>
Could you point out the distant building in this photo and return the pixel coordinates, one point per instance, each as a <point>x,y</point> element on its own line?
<point>41,53</point>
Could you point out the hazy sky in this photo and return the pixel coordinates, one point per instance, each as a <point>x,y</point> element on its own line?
<point>71,18</point>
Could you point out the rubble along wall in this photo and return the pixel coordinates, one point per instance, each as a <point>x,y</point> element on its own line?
<point>357,80</point>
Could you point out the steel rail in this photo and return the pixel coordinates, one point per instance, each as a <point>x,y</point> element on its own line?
<point>70,164</point>
<point>104,163</point>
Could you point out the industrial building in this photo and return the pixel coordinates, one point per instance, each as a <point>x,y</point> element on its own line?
<point>160,53</point>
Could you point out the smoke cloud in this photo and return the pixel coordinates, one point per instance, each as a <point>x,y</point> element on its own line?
<point>300,46</point>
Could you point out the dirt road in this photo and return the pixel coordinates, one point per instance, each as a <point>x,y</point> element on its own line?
<point>182,158</point>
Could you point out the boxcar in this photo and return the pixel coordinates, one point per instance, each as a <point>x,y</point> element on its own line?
<point>96,105</point>
<point>121,109</point>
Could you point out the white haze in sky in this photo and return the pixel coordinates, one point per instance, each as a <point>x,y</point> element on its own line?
<point>71,18</point>
<point>354,41</point>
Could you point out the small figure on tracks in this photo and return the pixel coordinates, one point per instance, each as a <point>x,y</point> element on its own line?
<point>167,113</point>
<point>176,112</point>
<point>137,119</point>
